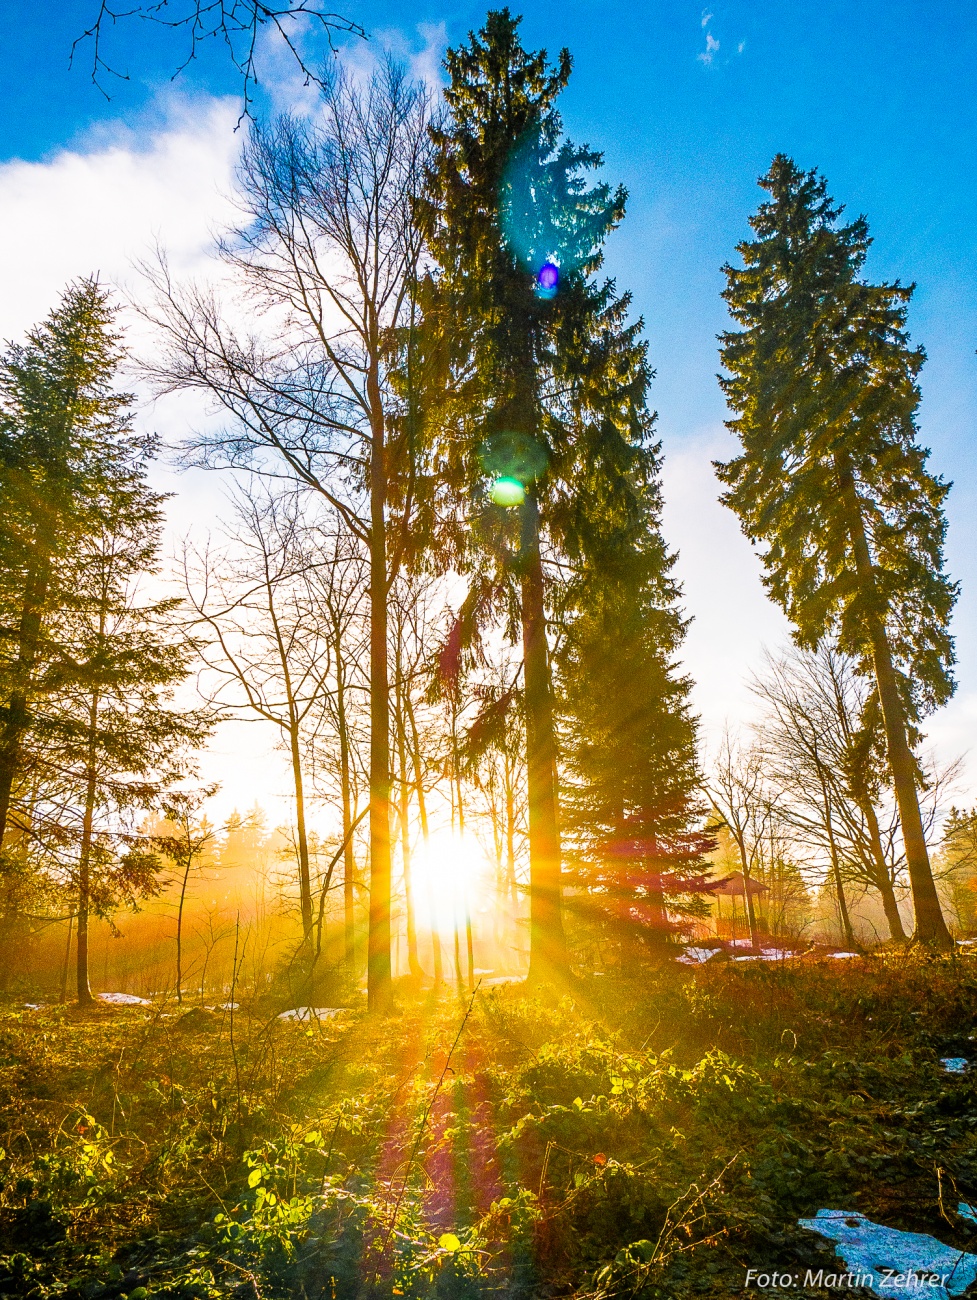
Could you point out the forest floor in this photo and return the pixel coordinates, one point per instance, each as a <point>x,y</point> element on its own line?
<point>648,1137</point>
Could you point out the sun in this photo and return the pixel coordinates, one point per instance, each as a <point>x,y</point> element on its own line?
<point>448,877</point>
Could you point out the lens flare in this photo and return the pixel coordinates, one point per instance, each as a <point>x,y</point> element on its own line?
<point>547,280</point>
<point>507,492</point>
<point>513,455</point>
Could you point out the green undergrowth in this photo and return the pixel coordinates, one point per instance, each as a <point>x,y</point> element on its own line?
<point>646,1137</point>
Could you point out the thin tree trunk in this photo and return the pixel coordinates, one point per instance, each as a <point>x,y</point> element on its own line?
<point>179,928</point>
<point>413,962</point>
<point>67,963</point>
<point>884,882</point>
<point>497,814</point>
<point>294,725</point>
<point>843,913</point>
<point>547,941</point>
<point>84,889</point>
<point>930,924</point>
<point>436,955</point>
<point>305,872</point>
<point>510,830</point>
<point>469,938</point>
<point>28,639</point>
<point>747,895</point>
<point>349,864</point>
<point>890,907</point>
<point>379,988</point>
<point>403,812</point>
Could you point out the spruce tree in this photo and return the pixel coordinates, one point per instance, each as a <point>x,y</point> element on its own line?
<point>88,733</point>
<point>831,481</point>
<point>539,401</point>
<point>62,433</point>
<point>631,774</point>
<point>109,738</point>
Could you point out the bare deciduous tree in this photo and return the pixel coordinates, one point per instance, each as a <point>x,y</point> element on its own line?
<point>260,636</point>
<point>338,766</point>
<point>235,24</point>
<point>739,795</point>
<point>824,752</point>
<point>327,254</point>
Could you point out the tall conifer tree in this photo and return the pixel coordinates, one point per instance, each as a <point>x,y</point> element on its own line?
<point>109,740</point>
<point>88,733</point>
<point>60,436</point>
<point>542,381</point>
<point>832,481</point>
<point>631,775</point>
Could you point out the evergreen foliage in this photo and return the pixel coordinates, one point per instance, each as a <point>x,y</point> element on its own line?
<point>62,433</point>
<point>550,390</point>
<point>831,481</point>
<point>631,774</point>
<point>97,736</point>
<point>823,373</point>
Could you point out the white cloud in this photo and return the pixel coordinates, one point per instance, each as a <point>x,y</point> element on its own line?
<point>709,53</point>
<point>421,52</point>
<point>96,208</point>
<point>90,211</point>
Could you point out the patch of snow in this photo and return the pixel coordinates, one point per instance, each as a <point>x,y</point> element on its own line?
<point>33,1006</point>
<point>967,1212</point>
<point>696,956</point>
<point>954,1064</point>
<point>123,1000</point>
<point>767,954</point>
<point>892,1262</point>
<point>503,979</point>
<point>843,956</point>
<point>311,1013</point>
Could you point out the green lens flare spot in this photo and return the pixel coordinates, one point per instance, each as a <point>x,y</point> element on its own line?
<point>507,492</point>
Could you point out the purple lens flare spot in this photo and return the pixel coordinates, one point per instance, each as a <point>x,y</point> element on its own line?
<point>548,276</point>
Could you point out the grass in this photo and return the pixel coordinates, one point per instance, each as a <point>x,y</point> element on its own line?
<point>652,1137</point>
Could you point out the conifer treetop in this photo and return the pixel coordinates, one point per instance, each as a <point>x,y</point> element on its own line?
<point>822,378</point>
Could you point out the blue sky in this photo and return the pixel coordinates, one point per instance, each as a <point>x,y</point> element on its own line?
<point>689,105</point>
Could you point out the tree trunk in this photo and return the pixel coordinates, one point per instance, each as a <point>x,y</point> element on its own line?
<point>379,987</point>
<point>510,831</point>
<point>305,873</point>
<point>179,928</point>
<point>415,747</point>
<point>67,962</point>
<point>413,962</point>
<point>349,863</point>
<point>28,639</point>
<point>547,940</point>
<point>930,925</point>
<point>748,907</point>
<point>891,908</point>
<point>843,914</point>
<point>469,940</point>
<point>84,887</point>
<point>884,882</point>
